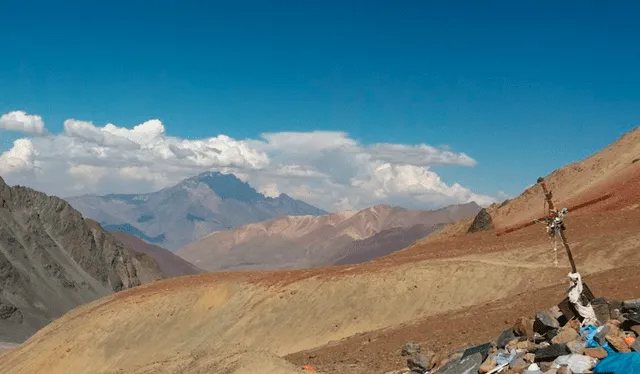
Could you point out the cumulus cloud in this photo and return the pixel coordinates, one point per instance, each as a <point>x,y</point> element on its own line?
<point>22,122</point>
<point>328,169</point>
<point>19,158</point>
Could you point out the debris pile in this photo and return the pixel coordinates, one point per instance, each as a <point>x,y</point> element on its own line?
<point>555,341</point>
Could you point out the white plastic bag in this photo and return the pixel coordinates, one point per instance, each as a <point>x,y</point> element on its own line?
<point>577,363</point>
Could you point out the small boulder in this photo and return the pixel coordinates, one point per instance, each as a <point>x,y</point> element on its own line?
<point>618,343</point>
<point>552,352</point>
<point>505,338</point>
<point>544,322</point>
<point>419,363</point>
<point>524,327</point>
<point>489,364</point>
<point>574,324</point>
<point>598,352</point>
<point>482,222</point>
<point>565,335</point>
<point>410,349</point>
<point>577,346</point>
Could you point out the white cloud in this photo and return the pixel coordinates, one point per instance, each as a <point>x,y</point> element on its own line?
<point>19,158</point>
<point>324,168</point>
<point>22,122</point>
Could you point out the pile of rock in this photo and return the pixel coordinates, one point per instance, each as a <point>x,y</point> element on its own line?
<point>555,341</point>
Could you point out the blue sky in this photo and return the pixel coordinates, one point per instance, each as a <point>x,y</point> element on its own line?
<point>497,80</point>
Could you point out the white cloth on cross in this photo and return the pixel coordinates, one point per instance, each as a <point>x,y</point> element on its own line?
<point>574,293</point>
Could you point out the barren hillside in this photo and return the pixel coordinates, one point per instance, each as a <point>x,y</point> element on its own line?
<point>611,173</point>
<point>170,264</point>
<point>305,241</point>
<point>345,319</point>
<point>52,260</point>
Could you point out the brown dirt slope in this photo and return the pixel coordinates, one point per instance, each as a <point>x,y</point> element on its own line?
<point>295,242</point>
<point>613,170</point>
<point>227,322</point>
<point>188,320</point>
<point>170,264</point>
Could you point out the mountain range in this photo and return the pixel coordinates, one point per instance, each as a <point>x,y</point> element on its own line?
<point>52,260</point>
<point>306,241</point>
<point>188,211</point>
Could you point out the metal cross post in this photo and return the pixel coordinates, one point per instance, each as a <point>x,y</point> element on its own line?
<point>554,222</point>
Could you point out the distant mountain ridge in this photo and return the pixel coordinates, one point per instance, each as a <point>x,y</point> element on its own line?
<point>307,241</point>
<point>188,211</point>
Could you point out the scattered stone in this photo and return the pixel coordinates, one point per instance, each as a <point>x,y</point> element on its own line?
<point>631,305</point>
<point>618,343</point>
<point>487,365</point>
<point>574,324</point>
<point>504,338</point>
<point>530,357</point>
<point>551,334</point>
<point>565,335</point>
<point>524,327</point>
<point>527,346</point>
<point>598,352</point>
<point>419,363</point>
<point>518,365</point>
<point>555,312</point>
<point>410,349</point>
<point>483,349</point>
<point>469,364</point>
<point>615,314</point>
<point>614,305</point>
<point>552,352</point>
<point>545,322</point>
<point>577,346</point>
<point>544,366</point>
<point>537,338</point>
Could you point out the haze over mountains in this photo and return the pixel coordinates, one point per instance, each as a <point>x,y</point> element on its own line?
<point>306,241</point>
<point>188,211</point>
<point>52,260</point>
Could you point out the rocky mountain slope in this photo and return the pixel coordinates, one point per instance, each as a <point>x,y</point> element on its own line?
<point>170,264</point>
<point>444,293</point>
<point>305,241</point>
<point>52,260</point>
<point>188,211</point>
<point>611,171</point>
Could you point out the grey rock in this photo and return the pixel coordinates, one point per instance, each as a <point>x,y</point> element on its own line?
<point>551,352</point>
<point>482,222</point>
<point>545,322</point>
<point>504,338</point>
<point>467,365</point>
<point>419,363</point>
<point>410,349</point>
<point>577,346</point>
<point>631,305</point>
<point>52,260</point>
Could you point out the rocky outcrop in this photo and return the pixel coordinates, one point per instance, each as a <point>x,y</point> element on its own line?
<point>482,222</point>
<point>52,259</point>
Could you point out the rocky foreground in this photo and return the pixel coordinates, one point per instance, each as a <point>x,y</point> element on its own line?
<point>555,341</point>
